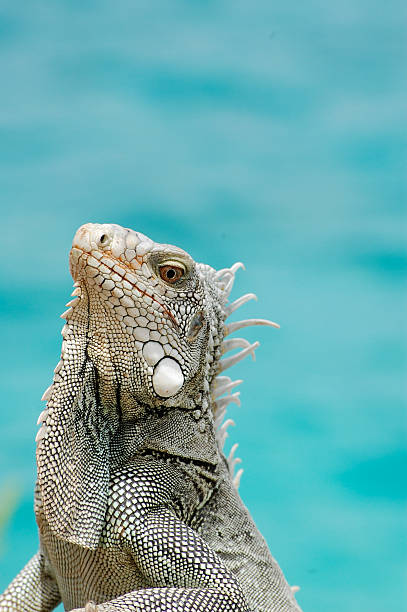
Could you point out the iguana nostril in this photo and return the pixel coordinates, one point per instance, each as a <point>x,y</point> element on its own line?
<point>104,239</point>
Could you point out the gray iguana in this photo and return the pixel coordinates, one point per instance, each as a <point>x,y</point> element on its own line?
<point>136,504</point>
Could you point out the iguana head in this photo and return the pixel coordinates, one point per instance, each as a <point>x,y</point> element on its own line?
<point>156,318</point>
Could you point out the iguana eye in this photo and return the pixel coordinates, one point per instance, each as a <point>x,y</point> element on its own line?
<point>171,272</point>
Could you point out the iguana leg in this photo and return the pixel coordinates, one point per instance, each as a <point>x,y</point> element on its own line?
<point>32,590</point>
<point>192,576</point>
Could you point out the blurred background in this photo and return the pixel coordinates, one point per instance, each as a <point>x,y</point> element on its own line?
<point>271,132</point>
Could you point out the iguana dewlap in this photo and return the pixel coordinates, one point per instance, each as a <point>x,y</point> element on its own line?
<point>137,507</point>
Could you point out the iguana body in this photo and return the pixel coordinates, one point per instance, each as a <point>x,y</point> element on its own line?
<point>135,501</point>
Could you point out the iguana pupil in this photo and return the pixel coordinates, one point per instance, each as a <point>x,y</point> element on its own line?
<point>171,274</point>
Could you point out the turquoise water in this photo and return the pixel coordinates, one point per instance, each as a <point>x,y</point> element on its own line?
<point>269,132</point>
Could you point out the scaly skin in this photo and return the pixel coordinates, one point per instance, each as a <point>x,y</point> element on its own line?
<point>136,505</point>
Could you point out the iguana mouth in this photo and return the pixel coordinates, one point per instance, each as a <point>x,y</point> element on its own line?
<point>118,265</point>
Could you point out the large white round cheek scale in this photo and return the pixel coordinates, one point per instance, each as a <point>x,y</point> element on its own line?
<point>168,377</point>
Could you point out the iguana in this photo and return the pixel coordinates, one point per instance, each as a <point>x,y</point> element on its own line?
<point>136,504</point>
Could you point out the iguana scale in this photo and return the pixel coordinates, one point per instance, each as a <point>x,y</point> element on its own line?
<point>136,504</point>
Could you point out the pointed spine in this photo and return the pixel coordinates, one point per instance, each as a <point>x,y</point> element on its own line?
<point>236,480</point>
<point>232,327</point>
<point>73,302</point>
<point>47,394</point>
<point>224,364</point>
<point>66,314</point>
<point>223,402</point>
<point>41,433</point>
<point>232,343</point>
<point>239,302</point>
<point>226,387</point>
<point>43,416</point>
